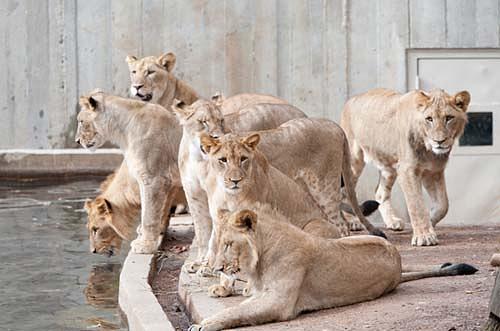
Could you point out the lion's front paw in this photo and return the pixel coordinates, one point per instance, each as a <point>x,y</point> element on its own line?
<point>143,246</point>
<point>355,224</point>
<point>219,291</point>
<point>424,239</point>
<point>395,223</point>
<point>205,271</point>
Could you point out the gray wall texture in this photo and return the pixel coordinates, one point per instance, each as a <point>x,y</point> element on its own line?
<point>314,53</point>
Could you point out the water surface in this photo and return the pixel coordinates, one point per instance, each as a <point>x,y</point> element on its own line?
<point>48,278</point>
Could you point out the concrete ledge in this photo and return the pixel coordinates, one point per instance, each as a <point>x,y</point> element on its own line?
<point>193,293</point>
<point>25,164</point>
<point>136,298</point>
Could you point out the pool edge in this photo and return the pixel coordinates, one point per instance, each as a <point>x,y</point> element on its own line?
<point>136,298</point>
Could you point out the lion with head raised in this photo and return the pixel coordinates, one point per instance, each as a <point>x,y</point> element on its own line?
<point>410,136</point>
<point>237,173</point>
<point>152,80</point>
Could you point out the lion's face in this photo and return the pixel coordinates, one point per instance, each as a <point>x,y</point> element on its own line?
<point>236,249</point>
<point>202,116</point>
<point>149,76</point>
<point>89,133</point>
<point>443,117</point>
<point>232,160</point>
<point>102,235</point>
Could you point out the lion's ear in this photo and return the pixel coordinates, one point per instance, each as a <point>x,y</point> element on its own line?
<point>245,220</point>
<point>181,110</point>
<point>130,59</point>
<point>88,102</point>
<point>422,98</point>
<point>218,98</point>
<point>103,206</point>
<point>167,60</point>
<point>251,141</point>
<point>462,100</point>
<point>208,143</point>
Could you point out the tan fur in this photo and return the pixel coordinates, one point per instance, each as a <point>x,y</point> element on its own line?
<point>291,271</point>
<point>109,226</point>
<point>149,137</point>
<point>235,158</point>
<point>400,135</point>
<point>244,100</point>
<point>152,80</point>
<point>102,286</point>
<point>206,116</point>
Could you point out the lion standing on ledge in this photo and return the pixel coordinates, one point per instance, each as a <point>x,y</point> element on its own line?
<point>409,136</point>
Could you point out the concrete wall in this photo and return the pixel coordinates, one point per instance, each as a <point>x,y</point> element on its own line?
<point>315,53</point>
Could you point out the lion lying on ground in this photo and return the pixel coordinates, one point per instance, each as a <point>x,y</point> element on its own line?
<point>410,136</point>
<point>205,116</point>
<point>291,271</point>
<point>112,216</point>
<point>237,174</point>
<point>152,80</point>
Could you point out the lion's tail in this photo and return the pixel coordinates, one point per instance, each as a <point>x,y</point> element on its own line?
<point>368,207</point>
<point>447,269</point>
<point>351,193</point>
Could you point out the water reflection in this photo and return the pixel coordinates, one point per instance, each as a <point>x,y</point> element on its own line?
<point>102,285</point>
<point>49,280</point>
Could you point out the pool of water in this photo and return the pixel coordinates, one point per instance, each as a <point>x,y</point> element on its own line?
<point>48,278</point>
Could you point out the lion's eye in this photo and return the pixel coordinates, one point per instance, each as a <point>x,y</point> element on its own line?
<point>133,71</point>
<point>94,230</point>
<point>449,118</point>
<point>205,123</point>
<point>223,160</point>
<point>243,159</point>
<point>227,246</point>
<point>150,72</point>
<point>429,119</point>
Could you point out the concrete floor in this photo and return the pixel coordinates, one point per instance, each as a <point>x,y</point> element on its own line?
<point>455,303</point>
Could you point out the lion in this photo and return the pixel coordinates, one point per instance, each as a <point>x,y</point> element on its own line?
<point>291,271</point>
<point>152,80</point>
<point>238,174</point>
<point>410,136</point>
<point>206,116</point>
<point>149,138</point>
<point>112,216</point>
<point>104,117</point>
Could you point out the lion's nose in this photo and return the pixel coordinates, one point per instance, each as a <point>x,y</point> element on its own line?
<point>138,86</point>
<point>94,251</point>
<point>440,141</point>
<point>235,181</point>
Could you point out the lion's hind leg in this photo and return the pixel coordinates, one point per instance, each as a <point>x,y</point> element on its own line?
<point>322,228</point>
